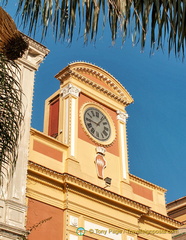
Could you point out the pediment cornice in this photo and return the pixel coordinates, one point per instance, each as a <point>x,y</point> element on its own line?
<point>107,84</point>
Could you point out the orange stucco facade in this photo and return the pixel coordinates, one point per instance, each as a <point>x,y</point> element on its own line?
<point>45,219</point>
<point>79,182</point>
<point>47,150</point>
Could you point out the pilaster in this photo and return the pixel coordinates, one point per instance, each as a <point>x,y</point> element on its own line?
<point>125,187</point>
<point>70,94</point>
<point>122,118</point>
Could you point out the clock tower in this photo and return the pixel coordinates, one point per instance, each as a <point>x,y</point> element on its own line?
<point>88,114</point>
<point>78,184</point>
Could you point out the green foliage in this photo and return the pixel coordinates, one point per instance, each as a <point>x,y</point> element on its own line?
<point>163,20</point>
<point>10,114</point>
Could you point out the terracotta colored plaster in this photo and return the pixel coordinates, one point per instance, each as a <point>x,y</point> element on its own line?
<point>48,151</point>
<point>142,191</point>
<point>50,219</point>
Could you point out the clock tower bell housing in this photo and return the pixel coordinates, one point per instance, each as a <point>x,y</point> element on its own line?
<point>87,114</point>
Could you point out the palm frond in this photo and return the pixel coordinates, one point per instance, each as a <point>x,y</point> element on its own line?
<point>10,114</point>
<point>12,46</point>
<point>164,21</point>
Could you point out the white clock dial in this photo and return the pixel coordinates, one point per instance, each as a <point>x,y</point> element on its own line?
<point>97,124</point>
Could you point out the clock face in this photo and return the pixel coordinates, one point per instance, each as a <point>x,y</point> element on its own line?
<point>97,124</point>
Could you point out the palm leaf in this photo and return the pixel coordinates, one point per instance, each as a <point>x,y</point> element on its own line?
<point>12,46</point>
<point>10,115</point>
<point>164,20</point>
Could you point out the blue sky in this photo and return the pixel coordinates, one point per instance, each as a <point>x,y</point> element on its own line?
<point>157,119</point>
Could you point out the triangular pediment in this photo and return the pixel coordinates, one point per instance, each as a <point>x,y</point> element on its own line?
<point>92,74</point>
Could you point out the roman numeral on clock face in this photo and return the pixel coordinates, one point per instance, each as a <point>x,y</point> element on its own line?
<point>93,114</point>
<point>89,125</point>
<point>89,115</point>
<point>105,133</point>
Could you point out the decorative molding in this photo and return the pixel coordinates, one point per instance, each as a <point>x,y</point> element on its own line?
<point>34,55</point>
<point>78,184</point>
<point>36,45</point>
<point>121,99</point>
<point>15,214</point>
<point>44,198</point>
<point>100,165</point>
<point>73,221</point>
<point>70,89</point>
<point>75,69</point>
<point>122,116</point>
<point>146,183</point>
<point>100,150</point>
<point>64,178</point>
<point>165,219</point>
<point>12,232</point>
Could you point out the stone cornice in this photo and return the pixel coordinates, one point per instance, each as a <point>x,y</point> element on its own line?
<point>12,232</point>
<point>176,204</point>
<point>73,183</point>
<point>165,219</point>
<point>104,78</point>
<point>15,204</point>
<point>34,55</point>
<point>38,46</point>
<point>179,210</point>
<point>146,183</point>
<point>119,93</point>
<point>96,86</point>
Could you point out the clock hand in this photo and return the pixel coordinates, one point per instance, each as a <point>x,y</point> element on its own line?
<point>93,122</point>
<point>100,121</point>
